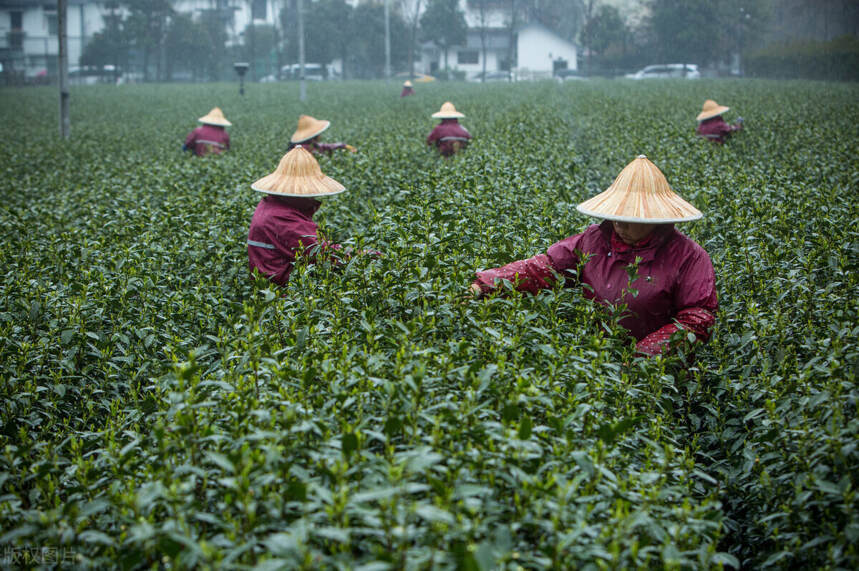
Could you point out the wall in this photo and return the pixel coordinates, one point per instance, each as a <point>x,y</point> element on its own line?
<point>538,47</point>
<point>40,46</point>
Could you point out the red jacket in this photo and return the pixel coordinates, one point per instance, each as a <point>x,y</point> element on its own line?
<point>716,129</point>
<point>279,228</point>
<point>207,139</point>
<point>449,136</point>
<point>676,282</point>
<point>407,91</point>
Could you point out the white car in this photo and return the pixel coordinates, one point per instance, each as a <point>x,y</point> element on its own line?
<point>312,72</point>
<point>678,70</point>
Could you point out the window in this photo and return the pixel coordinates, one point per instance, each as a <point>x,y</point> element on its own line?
<point>16,35</point>
<point>51,18</point>
<point>468,56</point>
<point>258,9</point>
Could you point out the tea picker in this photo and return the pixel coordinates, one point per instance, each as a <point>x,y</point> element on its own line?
<point>211,136</point>
<point>676,285</point>
<point>712,126</point>
<point>282,225</point>
<point>307,135</point>
<point>407,89</point>
<point>448,137</point>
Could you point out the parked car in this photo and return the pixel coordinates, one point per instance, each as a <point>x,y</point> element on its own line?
<point>491,76</point>
<point>91,74</point>
<point>312,72</point>
<point>563,75</point>
<point>680,70</point>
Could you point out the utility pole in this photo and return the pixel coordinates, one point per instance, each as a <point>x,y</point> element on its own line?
<point>302,88</point>
<point>387,41</point>
<point>63,68</point>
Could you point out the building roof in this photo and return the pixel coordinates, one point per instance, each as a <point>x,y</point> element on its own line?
<point>496,39</point>
<point>538,26</point>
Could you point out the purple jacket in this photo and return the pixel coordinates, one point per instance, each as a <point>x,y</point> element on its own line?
<point>449,136</point>
<point>676,283</point>
<point>716,129</point>
<point>279,227</point>
<point>207,139</point>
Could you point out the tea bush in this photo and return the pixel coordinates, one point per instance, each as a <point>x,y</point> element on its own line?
<point>159,409</point>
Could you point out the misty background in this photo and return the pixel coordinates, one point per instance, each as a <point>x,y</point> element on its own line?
<point>118,41</point>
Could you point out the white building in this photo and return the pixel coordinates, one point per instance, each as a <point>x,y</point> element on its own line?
<point>28,29</point>
<point>28,34</point>
<point>538,51</point>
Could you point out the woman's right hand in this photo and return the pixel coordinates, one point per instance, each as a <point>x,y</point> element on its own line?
<point>476,292</point>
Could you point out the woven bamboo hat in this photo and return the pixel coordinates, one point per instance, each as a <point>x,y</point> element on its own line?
<point>215,117</point>
<point>711,109</point>
<point>407,83</point>
<point>298,174</point>
<point>640,193</point>
<point>447,111</point>
<point>308,127</point>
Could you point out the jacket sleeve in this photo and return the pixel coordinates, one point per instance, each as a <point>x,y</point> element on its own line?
<point>529,275</point>
<point>432,137</point>
<point>329,147</point>
<point>538,272</point>
<point>189,141</point>
<point>696,302</point>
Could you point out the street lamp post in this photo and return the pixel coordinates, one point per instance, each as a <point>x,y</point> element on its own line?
<point>241,68</point>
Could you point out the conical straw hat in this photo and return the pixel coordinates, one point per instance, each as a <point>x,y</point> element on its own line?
<point>407,83</point>
<point>215,117</point>
<point>308,127</point>
<point>448,111</point>
<point>640,193</point>
<point>711,109</point>
<point>298,174</point>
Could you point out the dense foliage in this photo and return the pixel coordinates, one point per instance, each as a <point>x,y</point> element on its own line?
<point>160,409</point>
<point>835,60</point>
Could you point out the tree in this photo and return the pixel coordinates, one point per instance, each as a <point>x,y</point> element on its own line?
<point>686,31</point>
<point>328,27</point>
<point>444,24</point>
<point>411,10</point>
<point>260,44</point>
<point>564,17</point>
<point>367,51</point>
<point>604,28</point>
<point>483,18</point>
<point>110,45</point>
<point>188,45</point>
<point>146,25</point>
<point>214,21</point>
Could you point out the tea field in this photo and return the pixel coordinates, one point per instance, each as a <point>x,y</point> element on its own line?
<point>161,410</point>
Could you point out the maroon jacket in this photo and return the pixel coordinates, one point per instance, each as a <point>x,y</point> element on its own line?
<point>716,129</point>
<point>207,139</point>
<point>316,147</point>
<point>279,228</point>
<point>407,91</point>
<point>676,284</point>
<point>448,137</point>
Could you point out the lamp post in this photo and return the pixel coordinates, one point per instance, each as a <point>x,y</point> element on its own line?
<point>63,67</point>
<point>241,68</point>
